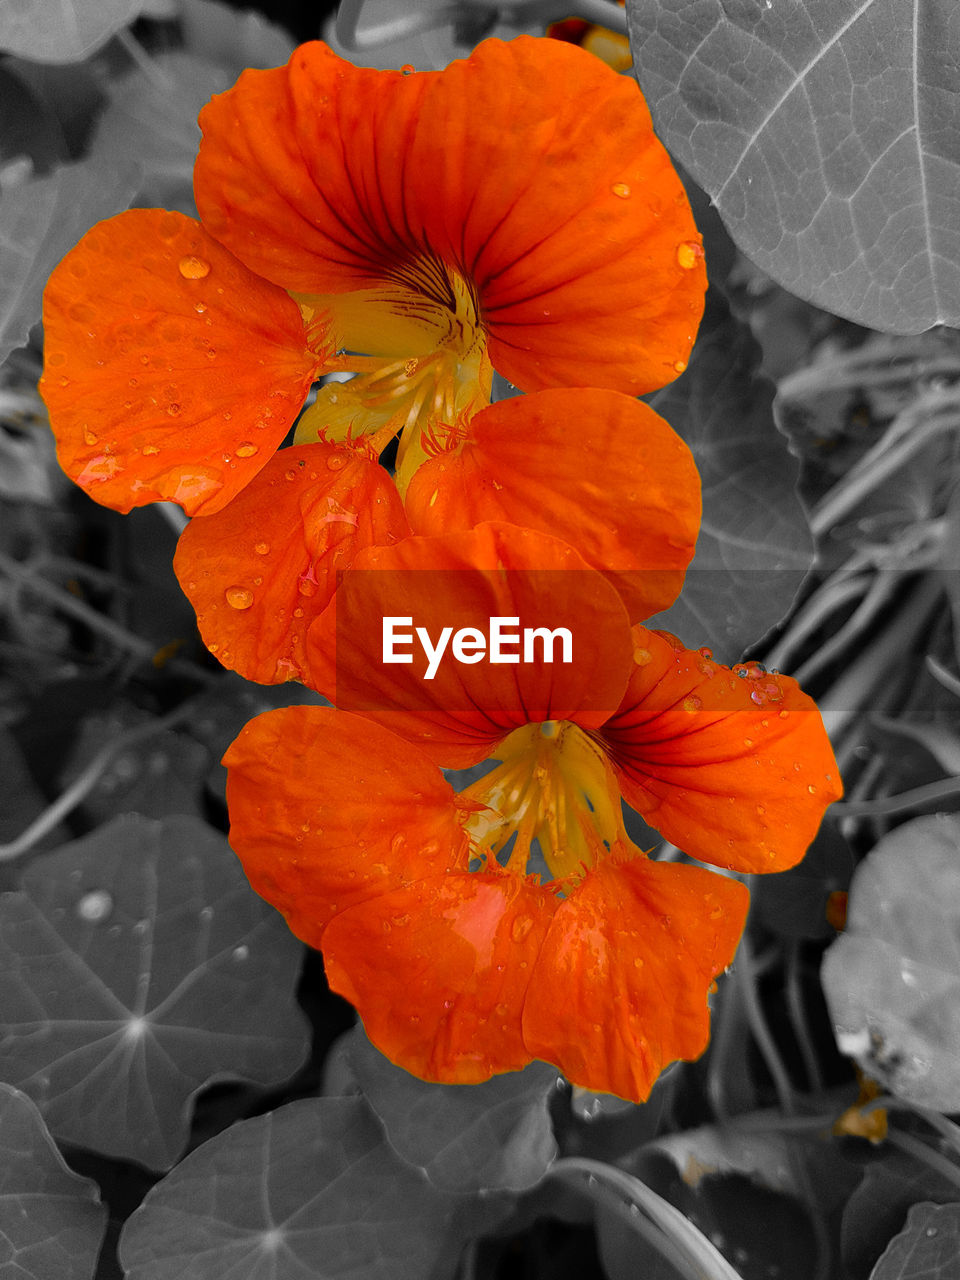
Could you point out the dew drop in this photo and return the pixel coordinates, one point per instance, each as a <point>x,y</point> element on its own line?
<point>241,952</point>
<point>688,255</point>
<point>290,475</point>
<point>336,462</point>
<point>812,789</point>
<point>192,268</point>
<point>262,548</point>
<point>149,450</point>
<point>679,365</point>
<point>621,189</point>
<point>89,437</point>
<point>642,657</point>
<point>199,308</point>
<point>246,449</point>
<point>95,907</point>
<point>692,704</point>
<point>408,69</point>
<point>307,587</point>
<point>173,410</point>
<point>521,927</point>
<point>239,597</point>
<point>64,382</point>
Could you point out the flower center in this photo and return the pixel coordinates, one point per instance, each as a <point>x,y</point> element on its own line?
<point>553,785</point>
<point>419,351</point>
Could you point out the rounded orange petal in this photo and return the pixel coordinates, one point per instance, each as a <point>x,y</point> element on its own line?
<point>259,571</point>
<point>439,970</point>
<point>732,765</point>
<point>172,371</point>
<point>458,582</point>
<point>620,987</point>
<point>530,168</point>
<point>596,468</point>
<point>328,810</point>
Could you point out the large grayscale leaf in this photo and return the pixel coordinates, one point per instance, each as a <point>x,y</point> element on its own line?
<point>892,980</point>
<point>51,1219</point>
<point>926,1249</point>
<point>137,966</point>
<point>828,134</point>
<point>311,1191</point>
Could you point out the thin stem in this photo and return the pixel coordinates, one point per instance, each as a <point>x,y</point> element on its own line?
<point>926,1155</point>
<point>945,677</point>
<point>659,1222</point>
<point>65,602</point>
<point>745,975</point>
<point>949,1131</point>
<point>881,590</point>
<point>138,55</point>
<point>85,781</point>
<point>929,793</point>
<point>838,590</point>
<point>798,1019</point>
<point>882,462</point>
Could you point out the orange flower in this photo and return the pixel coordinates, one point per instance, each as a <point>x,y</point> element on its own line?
<point>627,496</point>
<point>460,963</point>
<point>515,207</point>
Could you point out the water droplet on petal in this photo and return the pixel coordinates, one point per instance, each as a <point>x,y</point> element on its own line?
<point>149,450</point>
<point>307,586</point>
<point>192,268</point>
<point>95,906</point>
<point>246,449</point>
<point>521,927</point>
<point>692,704</point>
<point>262,548</point>
<point>173,410</point>
<point>621,189</point>
<point>336,462</point>
<point>642,657</point>
<point>679,365</point>
<point>408,69</point>
<point>89,437</point>
<point>689,254</point>
<point>239,597</point>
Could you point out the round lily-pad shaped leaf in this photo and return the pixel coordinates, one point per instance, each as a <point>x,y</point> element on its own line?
<point>137,966</point>
<point>892,980</point>
<point>51,1220</point>
<point>307,1191</point>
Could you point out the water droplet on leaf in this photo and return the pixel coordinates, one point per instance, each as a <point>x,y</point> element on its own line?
<point>95,907</point>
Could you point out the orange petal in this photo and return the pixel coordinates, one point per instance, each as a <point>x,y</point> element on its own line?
<point>327,810</point>
<point>620,988</point>
<point>595,468</point>
<point>530,167</point>
<point>734,766</point>
<point>458,581</point>
<point>172,372</point>
<point>438,971</point>
<point>259,571</point>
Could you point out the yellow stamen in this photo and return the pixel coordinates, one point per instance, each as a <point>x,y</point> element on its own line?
<point>418,347</point>
<point>553,785</point>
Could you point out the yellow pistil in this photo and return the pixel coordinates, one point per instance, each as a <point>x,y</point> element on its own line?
<point>418,348</point>
<point>553,785</point>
